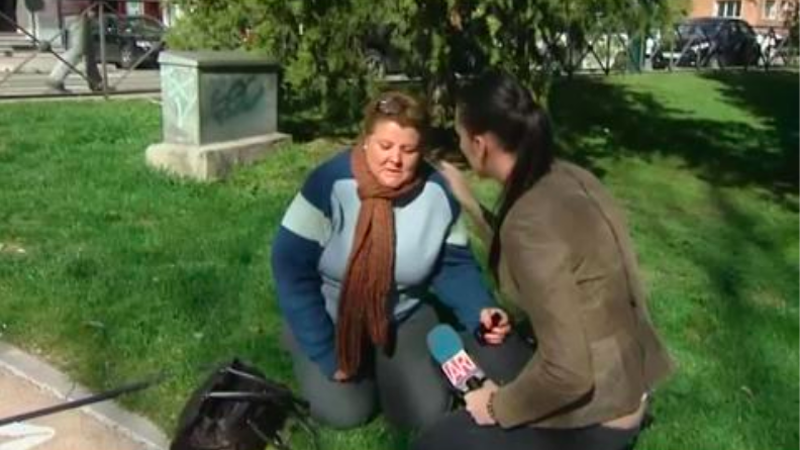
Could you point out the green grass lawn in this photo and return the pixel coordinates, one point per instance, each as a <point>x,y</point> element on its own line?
<point>112,271</point>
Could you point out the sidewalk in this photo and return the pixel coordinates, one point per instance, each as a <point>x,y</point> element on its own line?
<point>27,383</point>
<point>39,62</point>
<point>33,85</point>
<point>29,79</point>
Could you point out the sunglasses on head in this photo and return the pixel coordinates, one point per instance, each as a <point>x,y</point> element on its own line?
<point>389,106</point>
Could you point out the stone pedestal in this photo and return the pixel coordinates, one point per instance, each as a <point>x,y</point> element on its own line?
<point>219,110</point>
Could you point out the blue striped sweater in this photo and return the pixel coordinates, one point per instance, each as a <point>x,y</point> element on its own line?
<point>311,249</point>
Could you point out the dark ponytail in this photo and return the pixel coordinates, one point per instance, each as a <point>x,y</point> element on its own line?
<point>498,104</point>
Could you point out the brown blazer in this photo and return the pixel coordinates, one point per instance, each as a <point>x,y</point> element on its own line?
<point>567,260</point>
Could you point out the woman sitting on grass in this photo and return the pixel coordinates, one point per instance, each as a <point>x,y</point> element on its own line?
<point>370,233</point>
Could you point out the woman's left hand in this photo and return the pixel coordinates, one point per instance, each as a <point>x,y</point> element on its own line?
<point>496,330</point>
<point>478,403</point>
<point>340,376</point>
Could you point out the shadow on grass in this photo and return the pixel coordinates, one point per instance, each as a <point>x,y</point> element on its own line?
<point>772,97</point>
<point>738,388</point>
<point>749,281</point>
<point>760,326</point>
<point>599,120</point>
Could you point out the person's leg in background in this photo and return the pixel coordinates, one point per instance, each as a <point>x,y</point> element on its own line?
<point>338,405</point>
<point>413,392</point>
<point>72,56</point>
<point>95,80</point>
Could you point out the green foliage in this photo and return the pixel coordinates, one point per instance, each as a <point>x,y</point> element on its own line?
<point>321,44</point>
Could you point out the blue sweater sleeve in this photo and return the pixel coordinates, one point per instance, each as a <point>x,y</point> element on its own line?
<point>459,284</point>
<point>294,266</point>
<point>296,251</point>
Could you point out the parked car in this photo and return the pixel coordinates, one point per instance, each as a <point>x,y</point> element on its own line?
<point>711,42</point>
<point>130,37</point>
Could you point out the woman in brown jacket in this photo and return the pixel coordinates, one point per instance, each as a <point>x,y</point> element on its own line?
<point>562,253</point>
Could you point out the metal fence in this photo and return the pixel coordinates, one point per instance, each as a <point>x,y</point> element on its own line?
<point>45,37</point>
<point>607,51</point>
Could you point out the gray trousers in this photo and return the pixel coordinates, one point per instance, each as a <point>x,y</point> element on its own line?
<point>81,44</point>
<point>459,431</point>
<point>405,385</point>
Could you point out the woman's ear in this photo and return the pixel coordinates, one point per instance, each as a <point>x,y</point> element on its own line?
<point>365,142</point>
<point>480,145</point>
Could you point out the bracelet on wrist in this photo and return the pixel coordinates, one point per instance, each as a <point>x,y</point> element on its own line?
<point>490,406</point>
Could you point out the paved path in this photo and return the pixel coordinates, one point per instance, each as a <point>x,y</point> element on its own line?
<point>27,383</point>
<point>33,84</point>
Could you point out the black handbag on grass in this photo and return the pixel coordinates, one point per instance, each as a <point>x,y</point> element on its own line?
<point>237,408</point>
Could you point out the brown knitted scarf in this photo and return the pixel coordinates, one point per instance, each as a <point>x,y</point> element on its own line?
<point>370,269</point>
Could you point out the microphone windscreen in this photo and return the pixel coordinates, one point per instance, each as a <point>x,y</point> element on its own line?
<point>447,349</point>
<point>444,343</point>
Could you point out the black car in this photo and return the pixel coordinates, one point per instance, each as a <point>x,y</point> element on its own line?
<point>130,37</point>
<point>711,42</point>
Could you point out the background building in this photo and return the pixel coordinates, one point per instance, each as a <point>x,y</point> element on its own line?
<point>760,14</point>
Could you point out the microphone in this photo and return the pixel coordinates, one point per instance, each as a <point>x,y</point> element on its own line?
<point>447,349</point>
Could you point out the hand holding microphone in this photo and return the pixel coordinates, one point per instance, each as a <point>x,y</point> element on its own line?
<point>477,403</point>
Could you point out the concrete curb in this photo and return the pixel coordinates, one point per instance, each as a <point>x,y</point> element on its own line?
<point>48,378</point>
<point>84,96</point>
